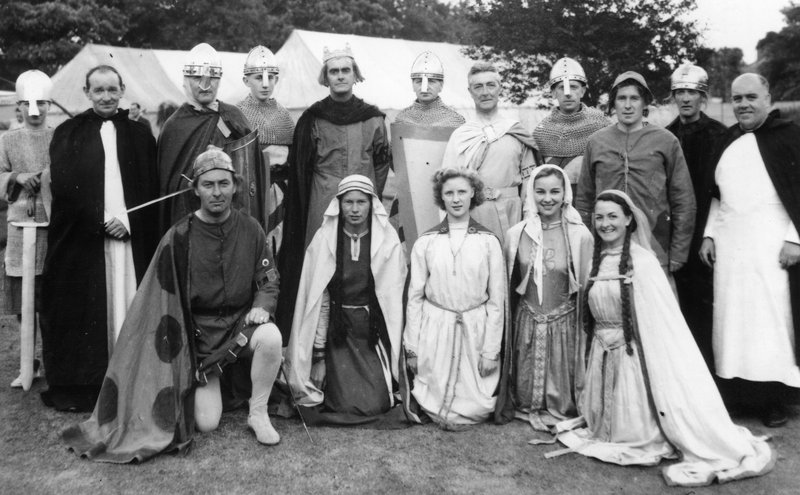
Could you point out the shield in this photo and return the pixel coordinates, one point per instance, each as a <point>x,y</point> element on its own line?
<point>253,196</point>
<point>417,152</point>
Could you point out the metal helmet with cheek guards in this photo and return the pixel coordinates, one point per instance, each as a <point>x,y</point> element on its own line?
<point>427,66</point>
<point>261,60</point>
<point>204,62</point>
<point>33,86</point>
<point>565,70</point>
<point>689,76</point>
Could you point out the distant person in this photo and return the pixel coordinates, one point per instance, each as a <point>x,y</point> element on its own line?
<point>753,244</point>
<point>102,164</point>
<point>700,137</point>
<point>25,186</point>
<point>19,120</point>
<point>499,149</point>
<point>165,111</point>
<point>135,114</point>
<point>428,110</point>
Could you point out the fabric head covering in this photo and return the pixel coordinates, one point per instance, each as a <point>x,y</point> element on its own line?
<point>212,158</point>
<point>533,223</point>
<point>635,76</point>
<point>427,66</point>
<point>33,86</point>
<point>356,182</point>
<point>641,235</point>
<point>261,60</point>
<point>689,76</point>
<point>565,70</point>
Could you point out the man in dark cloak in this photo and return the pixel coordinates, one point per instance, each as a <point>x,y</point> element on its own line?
<point>335,137</point>
<point>700,136</point>
<point>76,324</point>
<point>200,121</point>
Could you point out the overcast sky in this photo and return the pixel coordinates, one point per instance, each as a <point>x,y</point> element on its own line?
<point>740,23</point>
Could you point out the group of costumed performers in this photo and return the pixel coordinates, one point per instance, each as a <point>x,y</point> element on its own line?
<point>200,327</point>
<point>201,121</point>
<point>343,358</point>
<point>335,137</point>
<point>456,312</point>
<point>546,257</point>
<point>636,401</point>
<point>275,129</point>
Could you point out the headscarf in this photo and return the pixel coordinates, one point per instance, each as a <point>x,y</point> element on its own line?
<point>641,235</point>
<point>533,224</point>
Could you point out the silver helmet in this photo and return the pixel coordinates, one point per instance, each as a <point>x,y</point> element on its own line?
<point>203,61</point>
<point>261,60</point>
<point>427,66</point>
<point>33,86</point>
<point>565,70</point>
<point>689,76</point>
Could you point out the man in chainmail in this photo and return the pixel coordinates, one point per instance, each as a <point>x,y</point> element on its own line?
<point>275,129</point>
<point>428,110</point>
<point>562,136</point>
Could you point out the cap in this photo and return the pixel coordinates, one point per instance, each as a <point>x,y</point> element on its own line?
<point>689,76</point>
<point>631,75</point>
<point>212,158</point>
<point>355,182</point>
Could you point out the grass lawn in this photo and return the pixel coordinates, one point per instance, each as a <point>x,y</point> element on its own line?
<point>420,459</point>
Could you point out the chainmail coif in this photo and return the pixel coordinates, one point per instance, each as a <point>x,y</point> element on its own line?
<point>561,135</point>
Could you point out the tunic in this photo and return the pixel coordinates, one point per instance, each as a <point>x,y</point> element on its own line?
<point>455,316</point>
<point>503,154</point>
<point>753,326</point>
<point>23,151</point>
<point>638,408</point>
<point>648,165</point>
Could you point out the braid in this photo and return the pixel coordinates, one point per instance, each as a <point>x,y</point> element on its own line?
<point>625,292</point>
<point>588,319</point>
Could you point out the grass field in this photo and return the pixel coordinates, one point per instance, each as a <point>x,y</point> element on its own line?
<point>418,460</point>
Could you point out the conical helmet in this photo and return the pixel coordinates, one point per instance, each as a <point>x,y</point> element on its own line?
<point>689,76</point>
<point>33,86</point>
<point>427,66</point>
<point>565,70</point>
<point>203,61</point>
<point>261,60</point>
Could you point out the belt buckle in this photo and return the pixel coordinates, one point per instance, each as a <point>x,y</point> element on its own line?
<point>491,193</point>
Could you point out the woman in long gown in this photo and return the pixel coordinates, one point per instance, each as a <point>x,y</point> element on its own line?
<point>456,308</point>
<point>343,354</point>
<point>545,354</point>
<point>648,394</point>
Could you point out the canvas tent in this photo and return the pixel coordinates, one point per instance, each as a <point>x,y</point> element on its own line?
<point>153,76</point>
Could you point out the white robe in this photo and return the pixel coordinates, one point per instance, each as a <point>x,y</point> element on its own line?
<point>120,272</point>
<point>753,336</point>
<point>448,385</point>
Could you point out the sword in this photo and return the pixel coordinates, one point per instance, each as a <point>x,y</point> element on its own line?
<point>157,200</point>
<point>27,325</point>
<point>299,413</point>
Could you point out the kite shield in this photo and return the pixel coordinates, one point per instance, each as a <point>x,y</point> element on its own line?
<point>252,197</point>
<point>417,152</point>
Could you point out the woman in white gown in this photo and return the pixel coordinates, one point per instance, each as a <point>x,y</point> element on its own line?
<point>455,316</point>
<point>648,394</point>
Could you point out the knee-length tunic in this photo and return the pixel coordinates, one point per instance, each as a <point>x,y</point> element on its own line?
<point>455,316</point>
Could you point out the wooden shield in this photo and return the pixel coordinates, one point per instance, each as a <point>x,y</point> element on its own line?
<point>417,153</point>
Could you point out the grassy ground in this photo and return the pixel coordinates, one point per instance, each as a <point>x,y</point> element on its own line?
<point>420,459</point>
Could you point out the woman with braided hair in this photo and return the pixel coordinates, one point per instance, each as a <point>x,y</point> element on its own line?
<point>648,395</point>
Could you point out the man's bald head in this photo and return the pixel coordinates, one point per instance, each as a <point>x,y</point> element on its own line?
<point>751,100</point>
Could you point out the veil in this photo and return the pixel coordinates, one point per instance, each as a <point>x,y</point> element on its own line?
<point>642,234</point>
